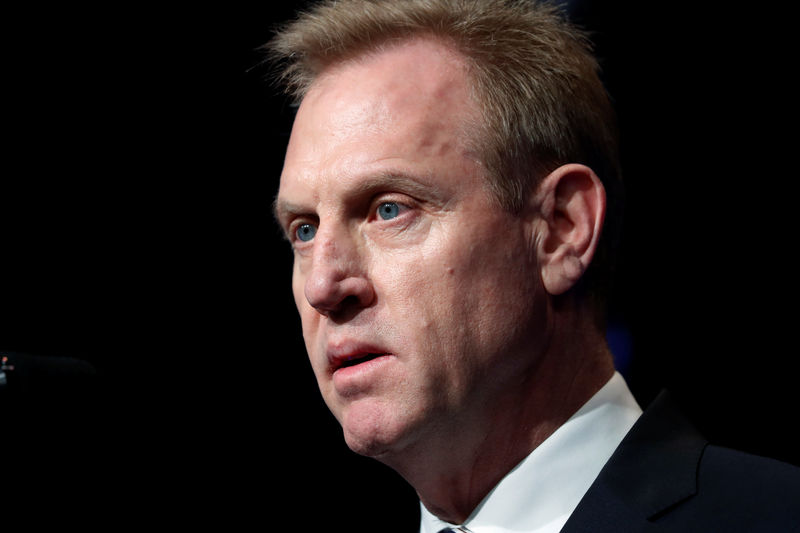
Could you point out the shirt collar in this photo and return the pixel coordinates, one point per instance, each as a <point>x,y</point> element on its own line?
<point>540,493</point>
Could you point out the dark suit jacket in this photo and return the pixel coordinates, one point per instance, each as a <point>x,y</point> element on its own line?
<point>665,476</point>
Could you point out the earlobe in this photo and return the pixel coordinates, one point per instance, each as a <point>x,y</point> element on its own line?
<point>571,205</point>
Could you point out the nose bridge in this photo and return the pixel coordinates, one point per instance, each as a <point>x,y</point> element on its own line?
<point>337,272</point>
<point>334,250</point>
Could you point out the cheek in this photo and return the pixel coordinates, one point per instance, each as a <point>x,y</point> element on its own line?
<point>415,288</point>
<point>300,302</point>
<point>299,292</point>
<point>428,302</point>
<point>482,291</point>
<point>298,284</point>
<point>309,318</point>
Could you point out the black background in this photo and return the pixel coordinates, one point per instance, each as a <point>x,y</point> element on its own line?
<point>141,153</point>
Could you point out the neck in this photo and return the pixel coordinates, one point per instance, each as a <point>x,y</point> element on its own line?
<point>454,475</point>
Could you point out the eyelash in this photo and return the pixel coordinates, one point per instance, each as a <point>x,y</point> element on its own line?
<point>403,206</point>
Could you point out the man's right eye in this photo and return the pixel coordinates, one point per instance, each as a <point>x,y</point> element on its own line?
<point>305,232</point>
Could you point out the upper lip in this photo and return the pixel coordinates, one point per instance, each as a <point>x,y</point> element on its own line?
<point>341,353</point>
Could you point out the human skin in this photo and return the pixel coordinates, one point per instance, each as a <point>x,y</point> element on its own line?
<point>426,308</point>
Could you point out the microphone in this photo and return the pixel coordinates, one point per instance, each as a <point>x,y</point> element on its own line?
<point>28,374</point>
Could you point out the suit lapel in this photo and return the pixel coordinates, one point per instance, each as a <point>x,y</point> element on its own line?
<point>652,470</point>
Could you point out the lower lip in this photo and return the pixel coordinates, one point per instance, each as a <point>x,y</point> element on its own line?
<point>349,378</point>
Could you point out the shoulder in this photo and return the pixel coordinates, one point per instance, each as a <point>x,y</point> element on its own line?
<point>734,490</point>
<point>746,481</point>
<point>737,491</point>
<point>723,464</point>
<point>666,475</point>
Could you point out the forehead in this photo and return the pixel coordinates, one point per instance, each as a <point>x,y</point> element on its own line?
<point>403,110</point>
<point>418,86</point>
<point>415,71</point>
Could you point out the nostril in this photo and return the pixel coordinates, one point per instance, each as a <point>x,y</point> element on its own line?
<point>350,301</point>
<point>347,309</point>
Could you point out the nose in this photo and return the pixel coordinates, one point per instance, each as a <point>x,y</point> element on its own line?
<point>337,281</point>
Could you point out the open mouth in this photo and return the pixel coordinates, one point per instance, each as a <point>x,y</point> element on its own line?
<point>359,358</point>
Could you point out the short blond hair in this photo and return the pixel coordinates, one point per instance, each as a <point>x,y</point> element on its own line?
<point>536,80</point>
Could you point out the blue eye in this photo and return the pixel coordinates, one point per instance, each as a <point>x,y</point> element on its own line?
<point>306,232</point>
<point>388,210</point>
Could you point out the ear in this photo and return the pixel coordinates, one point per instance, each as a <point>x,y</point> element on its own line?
<point>571,205</point>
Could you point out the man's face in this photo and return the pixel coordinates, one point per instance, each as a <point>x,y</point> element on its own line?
<point>418,295</point>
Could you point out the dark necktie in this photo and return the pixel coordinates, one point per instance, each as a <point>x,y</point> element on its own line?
<point>453,530</point>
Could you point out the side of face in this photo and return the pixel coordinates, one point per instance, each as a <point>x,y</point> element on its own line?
<point>419,297</point>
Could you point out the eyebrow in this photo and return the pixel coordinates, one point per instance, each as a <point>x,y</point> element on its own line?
<point>399,181</point>
<point>281,209</point>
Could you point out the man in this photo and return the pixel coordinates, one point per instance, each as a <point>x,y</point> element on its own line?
<point>450,171</point>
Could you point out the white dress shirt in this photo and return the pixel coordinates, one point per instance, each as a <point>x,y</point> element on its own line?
<point>541,492</point>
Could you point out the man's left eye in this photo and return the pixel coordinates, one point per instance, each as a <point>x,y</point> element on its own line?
<point>388,210</point>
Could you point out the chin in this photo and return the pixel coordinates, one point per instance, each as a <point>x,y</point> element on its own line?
<point>366,445</point>
<point>373,430</point>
